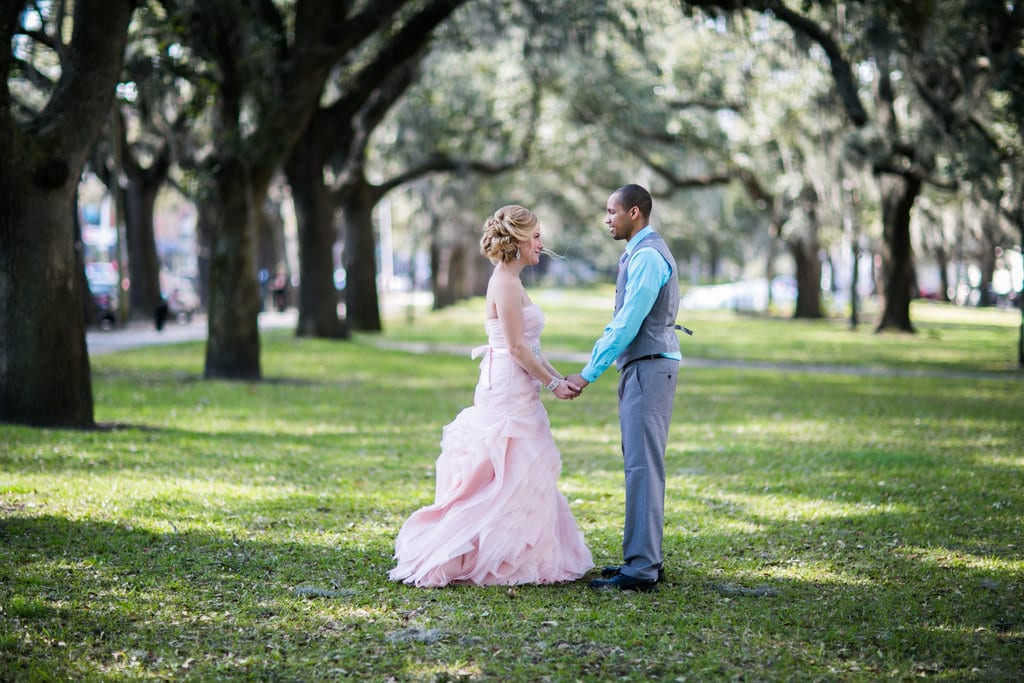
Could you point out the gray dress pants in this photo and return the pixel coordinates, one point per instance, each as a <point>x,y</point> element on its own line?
<point>647,390</point>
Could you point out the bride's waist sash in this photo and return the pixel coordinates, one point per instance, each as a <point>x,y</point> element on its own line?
<point>491,351</point>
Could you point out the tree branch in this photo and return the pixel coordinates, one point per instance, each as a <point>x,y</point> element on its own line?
<point>96,53</point>
<point>711,105</point>
<point>842,74</point>
<point>321,47</point>
<point>439,163</point>
<point>445,163</point>
<point>953,120</point>
<point>677,182</point>
<point>912,170</point>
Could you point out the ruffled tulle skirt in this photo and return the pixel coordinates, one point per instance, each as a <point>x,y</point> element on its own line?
<point>498,517</point>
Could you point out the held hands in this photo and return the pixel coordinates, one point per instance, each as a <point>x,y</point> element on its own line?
<point>577,381</point>
<point>570,387</point>
<point>566,390</point>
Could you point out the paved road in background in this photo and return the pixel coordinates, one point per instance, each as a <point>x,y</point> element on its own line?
<point>143,333</point>
<point>138,334</point>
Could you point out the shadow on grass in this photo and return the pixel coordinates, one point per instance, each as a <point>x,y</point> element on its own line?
<point>93,599</point>
<point>131,600</point>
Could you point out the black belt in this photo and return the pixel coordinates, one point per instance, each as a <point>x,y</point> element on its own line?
<point>647,357</point>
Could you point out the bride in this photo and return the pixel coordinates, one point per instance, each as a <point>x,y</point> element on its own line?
<point>498,517</point>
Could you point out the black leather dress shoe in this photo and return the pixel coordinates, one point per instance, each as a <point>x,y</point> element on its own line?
<point>613,570</point>
<point>624,582</point>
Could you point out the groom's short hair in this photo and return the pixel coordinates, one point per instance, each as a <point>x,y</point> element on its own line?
<point>635,195</point>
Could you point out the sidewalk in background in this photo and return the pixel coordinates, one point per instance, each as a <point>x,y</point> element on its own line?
<point>136,334</point>
<point>143,333</point>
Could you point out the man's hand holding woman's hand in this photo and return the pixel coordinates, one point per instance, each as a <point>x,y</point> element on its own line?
<point>567,390</point>
<point>571,387</point>
<point>577,381</point>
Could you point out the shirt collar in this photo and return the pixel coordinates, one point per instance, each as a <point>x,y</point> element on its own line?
<point>637,238</point>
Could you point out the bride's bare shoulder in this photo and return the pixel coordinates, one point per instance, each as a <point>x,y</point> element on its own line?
<point>501,283</point>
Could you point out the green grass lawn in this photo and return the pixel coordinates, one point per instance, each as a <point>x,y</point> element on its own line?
<point>820,525</point>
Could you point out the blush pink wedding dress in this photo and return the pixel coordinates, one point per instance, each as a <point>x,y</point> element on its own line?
<point>498,517</point>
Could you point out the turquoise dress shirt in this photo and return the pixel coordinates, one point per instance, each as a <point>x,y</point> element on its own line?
<point>648,273</point>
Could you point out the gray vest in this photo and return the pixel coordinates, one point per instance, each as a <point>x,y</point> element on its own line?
<point>657,332</point>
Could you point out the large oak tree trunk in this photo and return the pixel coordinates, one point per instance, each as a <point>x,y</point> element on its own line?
<point>233,341</point>
<point>438,279</point>
<point>362,302</point>
<point>898,194</point>
<point>805,249</point>
<point>314,212</point>
<point>808,278</point>
<point>44,364</point>
<point>942,261</point>
<point>143,262</point>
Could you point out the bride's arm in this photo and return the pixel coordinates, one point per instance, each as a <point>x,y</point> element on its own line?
<point>549,367</point>
<point>509,307</point>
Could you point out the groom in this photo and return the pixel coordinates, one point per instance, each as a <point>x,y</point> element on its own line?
<point>642,341</point>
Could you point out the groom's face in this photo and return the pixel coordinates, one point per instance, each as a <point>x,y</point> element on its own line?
<point>620,220</point>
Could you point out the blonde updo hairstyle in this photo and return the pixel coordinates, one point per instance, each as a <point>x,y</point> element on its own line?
<point>503,232</point>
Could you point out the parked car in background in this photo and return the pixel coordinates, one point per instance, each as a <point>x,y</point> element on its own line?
<point>104,288</point>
